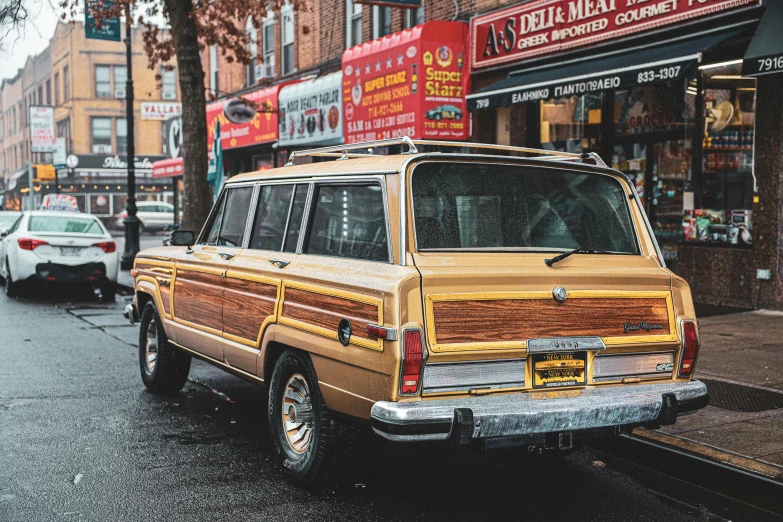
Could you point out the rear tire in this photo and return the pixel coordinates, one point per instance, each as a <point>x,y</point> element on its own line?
<point>307,451</point>
<point>164,370</point>
<point>11,287</point>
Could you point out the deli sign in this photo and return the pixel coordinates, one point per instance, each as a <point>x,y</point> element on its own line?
<point>545,26</point>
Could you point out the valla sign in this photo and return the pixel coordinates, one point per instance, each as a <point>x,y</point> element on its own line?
<point>160,110</point>
<point>545,26</point>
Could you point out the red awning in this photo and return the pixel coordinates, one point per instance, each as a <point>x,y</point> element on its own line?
<point>168,167</point>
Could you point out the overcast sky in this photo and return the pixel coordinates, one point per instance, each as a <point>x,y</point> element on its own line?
<point>28,40</point>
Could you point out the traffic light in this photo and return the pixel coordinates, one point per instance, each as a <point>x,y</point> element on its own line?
<point>44,173</point>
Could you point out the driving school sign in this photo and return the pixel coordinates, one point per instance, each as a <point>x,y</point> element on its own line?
<point>545,26</point>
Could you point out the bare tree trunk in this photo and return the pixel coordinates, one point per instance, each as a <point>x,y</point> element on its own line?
<point>198,197</point>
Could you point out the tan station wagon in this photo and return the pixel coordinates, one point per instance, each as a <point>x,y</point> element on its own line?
<point>455,292</point>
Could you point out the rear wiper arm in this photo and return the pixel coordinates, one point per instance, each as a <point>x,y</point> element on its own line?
<point>552,261</point>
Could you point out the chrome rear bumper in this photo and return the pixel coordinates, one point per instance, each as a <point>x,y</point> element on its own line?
<point>538,412</point>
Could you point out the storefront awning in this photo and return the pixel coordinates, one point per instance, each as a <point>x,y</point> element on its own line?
<point>311,113</point>
<point>765,52</point>
<point>168,167</point>
<point>644,66</point>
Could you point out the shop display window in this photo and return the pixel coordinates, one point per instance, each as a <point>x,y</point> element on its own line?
<point>572,124</point>
<point>118,202</point>
<point>100,204</point>
<point>722,211</point>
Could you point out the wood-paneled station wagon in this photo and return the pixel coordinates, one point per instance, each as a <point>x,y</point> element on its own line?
<point>474,294</point>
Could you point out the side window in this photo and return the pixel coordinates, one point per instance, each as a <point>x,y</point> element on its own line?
<point>348,221</point>
<point>232,228</point>
<point>295,221</point>
<point>214,227</point>
<point>274,203</point>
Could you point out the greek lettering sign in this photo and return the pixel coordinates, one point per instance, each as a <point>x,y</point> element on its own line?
<point>42,129</point>
<point>412,83</point>
<point>110,29</point>
<point>545,26</point>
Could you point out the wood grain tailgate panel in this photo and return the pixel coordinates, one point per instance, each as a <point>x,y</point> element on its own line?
<point>246,304</point>
<point>521,319</point>
<point>326,311</point>
<point>197,297</point>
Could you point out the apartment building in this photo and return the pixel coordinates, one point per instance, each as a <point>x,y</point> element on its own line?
<point>85,81</point>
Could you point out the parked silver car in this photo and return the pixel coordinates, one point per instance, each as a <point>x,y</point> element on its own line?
<point>154,215</point>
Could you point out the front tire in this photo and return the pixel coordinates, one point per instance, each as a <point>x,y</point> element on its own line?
<point>303,430</point>
<point>164,370</point>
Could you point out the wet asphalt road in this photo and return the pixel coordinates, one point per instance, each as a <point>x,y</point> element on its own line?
<point>81,439</point>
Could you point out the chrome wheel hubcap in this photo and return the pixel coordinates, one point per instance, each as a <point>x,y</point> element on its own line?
<point>151,355</point>
<point>297,414</point>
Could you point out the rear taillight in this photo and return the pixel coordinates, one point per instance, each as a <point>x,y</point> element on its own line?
<point>412,361</point>
<point>379,332</point>
<point>690,348</point>
<point>25,243</point>
<point>107,246</point>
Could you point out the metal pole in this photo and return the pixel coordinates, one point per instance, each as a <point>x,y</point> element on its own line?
<point>30,177</point>
<point>131,222</point>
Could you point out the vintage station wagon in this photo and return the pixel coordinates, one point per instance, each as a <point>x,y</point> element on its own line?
<point>464,293</point>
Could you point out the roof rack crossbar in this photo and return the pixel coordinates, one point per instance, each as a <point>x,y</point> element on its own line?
<point>405,140</point>
<point>342,152</point>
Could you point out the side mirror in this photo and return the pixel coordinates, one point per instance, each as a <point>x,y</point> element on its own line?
<point>182,238</point>
<point>3,233</point>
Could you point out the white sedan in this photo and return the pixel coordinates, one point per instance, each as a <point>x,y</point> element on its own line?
<point>61,247</point>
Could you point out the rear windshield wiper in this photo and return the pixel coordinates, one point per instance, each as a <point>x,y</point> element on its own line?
<point>552,261</point>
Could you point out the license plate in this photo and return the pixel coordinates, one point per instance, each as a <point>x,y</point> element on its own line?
<point>554,370</point>
<point>70,251</point>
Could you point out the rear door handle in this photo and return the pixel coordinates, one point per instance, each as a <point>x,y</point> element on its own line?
<point>279,263</point>
<point>226,256</point>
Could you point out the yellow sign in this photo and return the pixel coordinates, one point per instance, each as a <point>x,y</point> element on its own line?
<point>44,172</point>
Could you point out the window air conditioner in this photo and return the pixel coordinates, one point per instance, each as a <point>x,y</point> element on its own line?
<point>119,93</point>
<point>169,95</point>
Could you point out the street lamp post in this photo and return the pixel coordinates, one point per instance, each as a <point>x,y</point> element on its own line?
<point>131,222</point>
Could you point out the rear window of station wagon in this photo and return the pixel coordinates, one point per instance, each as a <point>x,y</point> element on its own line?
<point>343,219</point>
<point>518,208</point>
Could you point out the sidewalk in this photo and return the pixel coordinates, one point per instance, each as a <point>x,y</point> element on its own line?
<point>124,279</point>
<point>741,361</point>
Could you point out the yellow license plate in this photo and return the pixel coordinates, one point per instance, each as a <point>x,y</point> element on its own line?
<point>553,370</point>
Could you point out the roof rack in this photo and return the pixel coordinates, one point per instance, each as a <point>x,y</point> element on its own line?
<point>342,152</point>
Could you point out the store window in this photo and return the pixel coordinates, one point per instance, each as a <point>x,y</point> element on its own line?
<point>287,37</point>
<point>353,23</point>
<point>100,204</point>
<point>723,211</point>
<point>102,81</point>
<point>101,135</point>
<point>572,124</point>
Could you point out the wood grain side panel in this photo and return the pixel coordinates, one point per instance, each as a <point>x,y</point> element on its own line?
<point>197,298</point>
<point>520,319</point>
<point>326,311</point>
<point>246,304</point>
<point>158,273</point>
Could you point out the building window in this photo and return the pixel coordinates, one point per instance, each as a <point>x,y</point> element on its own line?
<point>269,47</point>
<point>287,37</point>
<point>414,17</point>
<point>101,135</point>
<point>57,88</point>
<point>40,94</point>
<point>121,127</point>
<point>168,82</point>
<point>213,70</point>
<point>64,131</point>
<point>353,23</point>
<point>120,80</point>
<point>381,19</point>
<point>48,92</point>
<point>66,85</point>
<point>102,81</point>
<point>252,48</point>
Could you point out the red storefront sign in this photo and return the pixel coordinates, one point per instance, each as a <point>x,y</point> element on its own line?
<point>168,167</point>
<point>250,119</point>
<point>412,83</point>
<point>546,26</point>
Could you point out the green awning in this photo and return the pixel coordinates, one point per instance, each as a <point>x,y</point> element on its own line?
<point>765,52</point>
